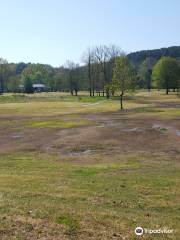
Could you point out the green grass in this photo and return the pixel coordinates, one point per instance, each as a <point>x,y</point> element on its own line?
<point>59,124</point>
<point>43,97</point>
<point>163,130</point>
<point>163,113</point>
<point>13,98</point>
<point>68,221</point>
<point>128,193</point>
<point>98,196</point>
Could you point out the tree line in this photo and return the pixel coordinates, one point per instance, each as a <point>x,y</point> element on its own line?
<point>106,70</point>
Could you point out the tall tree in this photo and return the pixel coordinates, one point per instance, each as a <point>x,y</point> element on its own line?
<point>124,77</point>
<point>145,72</point>
<point>13,83</point>
<point>88,60</point>
<point>73,70</point>
<point>104,56</point>
<point>3,74</point>
<point>166,73</point>
<point>28,86</point>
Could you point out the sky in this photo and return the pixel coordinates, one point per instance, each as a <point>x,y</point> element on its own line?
<point>53,31</point>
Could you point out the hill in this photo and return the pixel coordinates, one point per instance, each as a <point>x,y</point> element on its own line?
<point>138,57</point>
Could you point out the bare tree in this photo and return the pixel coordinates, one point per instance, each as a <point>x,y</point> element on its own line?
<point>88,59</point>
<point>73,71</point>
<point>105,56</point>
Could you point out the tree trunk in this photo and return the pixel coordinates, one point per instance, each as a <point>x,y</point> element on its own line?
<point>93,87</point>
<point>90,80</point>
<point>167,87</point>
<point>121,100</point>
<point>149,79</point>
<point>107,93</point>
<point>1,87</point>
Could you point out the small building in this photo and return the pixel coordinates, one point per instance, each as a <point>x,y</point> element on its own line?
<point>39,87</point>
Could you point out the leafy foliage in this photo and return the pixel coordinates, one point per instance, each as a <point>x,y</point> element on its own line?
<point>96,75</point>
<point>28,84</point>
<point>137,58</point>
<point>166,73</point>
<point>145,72</point>
<point>124,76</point>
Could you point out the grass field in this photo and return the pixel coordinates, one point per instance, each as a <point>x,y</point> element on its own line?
<point>79,168</point>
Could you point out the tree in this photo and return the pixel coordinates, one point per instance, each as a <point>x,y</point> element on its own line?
<point>13,83</point>
<point>166,73</point>
<point>3,74</point>
<point>104,56</point>
<point>88,60</point>
<point>58,82</point>
<point>28,86</point>
<point>124,76</point>
<point>39,73</point>
<point>145,72</point>
<point>20,67</point>
<point>73,70</point>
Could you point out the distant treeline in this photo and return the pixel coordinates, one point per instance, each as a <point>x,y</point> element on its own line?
<point>95,75</point>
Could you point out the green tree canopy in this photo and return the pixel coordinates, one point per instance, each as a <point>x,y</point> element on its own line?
<point>39,73</point>
<point>145,72</point>
<point>124,76</point>
<point>28,86</point>
<point>166,73</point>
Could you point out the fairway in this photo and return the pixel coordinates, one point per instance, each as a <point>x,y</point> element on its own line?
<point>79,168</point>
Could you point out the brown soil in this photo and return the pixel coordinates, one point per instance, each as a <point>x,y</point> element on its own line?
<point>114,133</point>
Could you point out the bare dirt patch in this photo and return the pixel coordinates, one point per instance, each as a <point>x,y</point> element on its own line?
<point>114,133</point>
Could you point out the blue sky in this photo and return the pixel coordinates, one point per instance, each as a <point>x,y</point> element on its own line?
<point>52,31</point>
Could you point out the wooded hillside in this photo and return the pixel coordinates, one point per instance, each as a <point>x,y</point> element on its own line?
<point>138,57</point>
